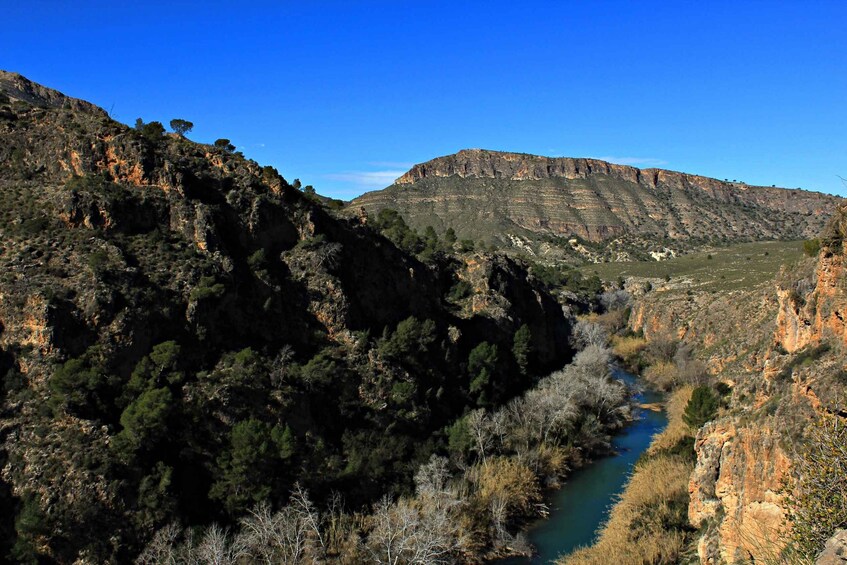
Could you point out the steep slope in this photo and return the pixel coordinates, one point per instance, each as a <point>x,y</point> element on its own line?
<point>505,197</point>
<point>183,334</point>
<point>780,347</point>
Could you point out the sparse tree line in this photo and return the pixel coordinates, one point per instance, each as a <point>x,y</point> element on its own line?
<point>469,501</point>
<point>153,132</point>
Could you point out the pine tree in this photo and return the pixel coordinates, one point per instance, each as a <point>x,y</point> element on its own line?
<point>702,407</point>
<point>522,347</point>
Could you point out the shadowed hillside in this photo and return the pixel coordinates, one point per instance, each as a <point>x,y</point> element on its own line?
<point>183,335</point>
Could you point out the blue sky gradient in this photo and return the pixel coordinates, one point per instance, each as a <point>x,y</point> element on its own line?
<point>346,95</point>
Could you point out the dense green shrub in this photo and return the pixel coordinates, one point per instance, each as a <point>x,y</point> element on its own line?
<point>410,341</point>
<point>482,365</point>
<point>246,470</point>
<point>161,367</point>
<point>207,288</point>
<point>460,290</point>
<point>459,440</point>
<point>30,524</point>
<point>144,422</point>
<point>702,407</point>
<point>258,260</point>
<point>152,131</point>
<point>811,247</point>
<point>392,225</point>
<point>450,237</point>
<point>83,387</point>
<point>564,276</point>
<point>319,371</point>
<point>224,143</point>
<point>156,499</point>
<point>522,348</point>
<point>181,127</point>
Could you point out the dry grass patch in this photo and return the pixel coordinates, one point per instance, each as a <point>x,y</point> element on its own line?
<point>663,375</point>
<point>628,347</point>
<point>676,429</point>
<point>649,524</point>
<point>509,482</point>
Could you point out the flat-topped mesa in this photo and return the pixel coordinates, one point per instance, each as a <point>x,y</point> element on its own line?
<point>18,87</point>
<point>492,196</point>
<point>483,163</point>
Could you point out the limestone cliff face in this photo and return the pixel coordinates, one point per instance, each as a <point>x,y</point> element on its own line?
<point>730,331</point>
<point>812,312</point>
<point>735,492</point>
<point>478,163</point>
<point>750,339</point>
<point>735,488</point>
<point>487,194</point>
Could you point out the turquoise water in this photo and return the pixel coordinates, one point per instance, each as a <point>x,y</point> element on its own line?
<point>582,504</point>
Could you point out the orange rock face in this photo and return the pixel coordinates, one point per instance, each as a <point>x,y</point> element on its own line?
<point>737,481</point>
<point>808,320</point>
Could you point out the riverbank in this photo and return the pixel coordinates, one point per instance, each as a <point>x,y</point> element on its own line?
<point>649,524</point>
<point>582,504</point>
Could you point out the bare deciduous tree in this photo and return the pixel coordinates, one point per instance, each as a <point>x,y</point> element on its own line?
<point>292,536</point>
<point>615,300</point>
<point>499,515</point>
<point>688,369</point>
<point>403,534</point>
<point>214,548</point>
<point>479,426</point>
<point>589,333</point>
<point>162,548</point>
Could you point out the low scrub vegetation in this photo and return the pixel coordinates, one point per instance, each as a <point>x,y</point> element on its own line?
<point>733,267</point>
<point>628,348</point>
<point>819,494</point>
<point>677,430</point>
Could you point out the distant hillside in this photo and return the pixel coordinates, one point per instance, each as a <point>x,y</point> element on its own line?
<point>526,200</point>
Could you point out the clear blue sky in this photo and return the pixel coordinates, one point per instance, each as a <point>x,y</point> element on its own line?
<point>346,95</point>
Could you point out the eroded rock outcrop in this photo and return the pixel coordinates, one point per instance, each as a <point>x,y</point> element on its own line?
<point>814,309</point>
<point>835,552</point>
<point>736,492</point>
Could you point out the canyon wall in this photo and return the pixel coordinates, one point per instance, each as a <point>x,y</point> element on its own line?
<point>779,347</point>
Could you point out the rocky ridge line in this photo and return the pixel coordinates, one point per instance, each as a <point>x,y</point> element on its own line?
<point>18,87</point>
<point>538,203</point>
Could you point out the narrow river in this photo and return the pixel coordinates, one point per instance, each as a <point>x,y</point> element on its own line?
<point>581,506</point>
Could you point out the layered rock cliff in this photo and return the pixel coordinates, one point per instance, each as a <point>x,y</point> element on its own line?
<point>492,195</point>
